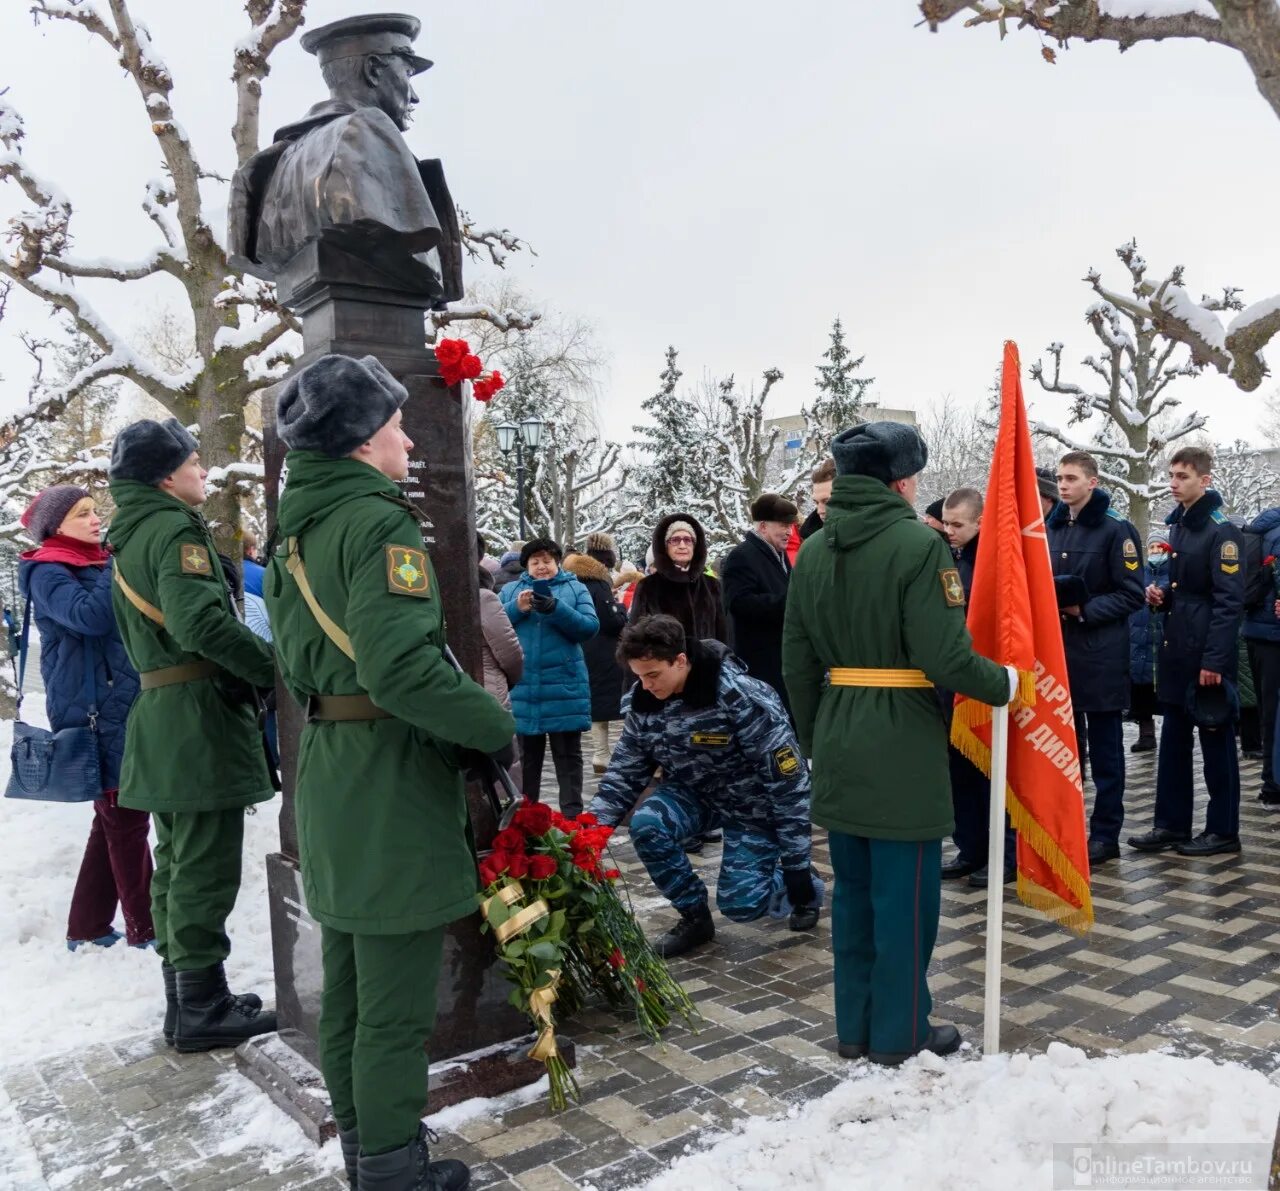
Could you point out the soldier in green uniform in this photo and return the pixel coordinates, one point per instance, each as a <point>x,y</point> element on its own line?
<point>875,618</point>
<point>193,752</point>
<point>382,814</point>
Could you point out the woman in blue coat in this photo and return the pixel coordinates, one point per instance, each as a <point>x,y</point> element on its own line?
<point>67,579</point>
<point>553,614</point>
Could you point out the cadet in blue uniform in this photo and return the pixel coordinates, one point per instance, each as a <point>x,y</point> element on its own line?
<point>1097,569</point>
<point>1202,595</point>
<point>729,759</point>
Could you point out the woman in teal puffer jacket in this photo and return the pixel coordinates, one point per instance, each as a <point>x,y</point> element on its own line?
<point>553,614</point>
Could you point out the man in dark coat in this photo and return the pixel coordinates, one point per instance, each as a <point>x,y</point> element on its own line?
<point>961,517</point>
<point>1202,596</point>
<point>1262,638</point>
<point>754,583</point>
<point>680,585</point>
<point>1097,570</point>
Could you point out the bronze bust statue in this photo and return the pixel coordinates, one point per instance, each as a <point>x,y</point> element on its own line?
<point>343,178</point>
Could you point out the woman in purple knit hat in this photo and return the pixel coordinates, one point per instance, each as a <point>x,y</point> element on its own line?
<point>67,578</point>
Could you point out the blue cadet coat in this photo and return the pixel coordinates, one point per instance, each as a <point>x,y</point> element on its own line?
<point>727,740</point>
<point>1203,599</point>
<point>1097,564</point>
<point>71,607</point>
<point>1260,623</point>
<point>554,693</point>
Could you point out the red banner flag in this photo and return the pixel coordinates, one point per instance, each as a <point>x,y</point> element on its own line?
<point>1014,619</point>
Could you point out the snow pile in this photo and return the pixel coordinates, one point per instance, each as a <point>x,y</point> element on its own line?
<point>53,1000</point>
<point>988,1123</point>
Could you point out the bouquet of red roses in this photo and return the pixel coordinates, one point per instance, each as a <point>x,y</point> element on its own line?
<point>565,934</point>
<point>457,363</point>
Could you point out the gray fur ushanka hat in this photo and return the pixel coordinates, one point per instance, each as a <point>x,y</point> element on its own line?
<point>336,403</point>
<point>150,451</point>
<point>886,451</point>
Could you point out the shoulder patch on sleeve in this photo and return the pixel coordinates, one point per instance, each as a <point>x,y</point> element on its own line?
<point>1220,517</point>
<point>952,588</point>
<point>194,559</point>
<point>407,572</point>
<point>1230,558</point>
<point>787,762</point>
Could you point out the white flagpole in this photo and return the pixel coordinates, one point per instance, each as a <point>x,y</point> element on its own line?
<point>995,879</point>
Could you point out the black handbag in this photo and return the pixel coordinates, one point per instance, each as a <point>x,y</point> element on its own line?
<point>62,766</point>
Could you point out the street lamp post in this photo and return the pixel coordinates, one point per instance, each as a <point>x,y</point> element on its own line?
<point>526,436</point>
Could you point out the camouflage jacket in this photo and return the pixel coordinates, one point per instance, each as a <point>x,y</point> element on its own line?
<point>727,740</point>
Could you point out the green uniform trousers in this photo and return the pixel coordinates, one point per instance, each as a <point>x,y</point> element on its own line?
<point>884,921</point>
<point>194,887</point>
<point>376,1012</point>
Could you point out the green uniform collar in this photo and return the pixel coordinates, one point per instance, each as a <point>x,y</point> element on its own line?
<point>135,502</point>
<point>862,508</point>
<point>317,485</point>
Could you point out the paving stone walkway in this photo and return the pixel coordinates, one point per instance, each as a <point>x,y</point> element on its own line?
<point>1183,955</point>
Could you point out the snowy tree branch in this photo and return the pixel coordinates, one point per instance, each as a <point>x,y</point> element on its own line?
<point>273,23</point>
<point>504,320</point>
<point>498,243</point>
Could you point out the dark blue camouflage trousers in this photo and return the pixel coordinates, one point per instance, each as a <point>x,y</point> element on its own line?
<point>750,882</point>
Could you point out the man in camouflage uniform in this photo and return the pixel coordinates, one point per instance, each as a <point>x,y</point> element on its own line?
<point>730,760</point>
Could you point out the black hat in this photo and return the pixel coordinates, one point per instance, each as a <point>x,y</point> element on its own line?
<point>885,451</point>
<point>1214,706</point>
<point>769,506</point>
<point>935,510</point>
<point>150,451</point>
<point>1047,483</point>
<point>374,33</point>
<point>540,546</point>
<point>336,403</point>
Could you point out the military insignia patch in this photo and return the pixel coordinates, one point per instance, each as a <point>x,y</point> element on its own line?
<point>1130,548</point>
<point>1230,552</point>
<point>194,559</point>
<point>710,739</point>
<point>786,760</point>
<point>407,572</point>
<point>952,588</point>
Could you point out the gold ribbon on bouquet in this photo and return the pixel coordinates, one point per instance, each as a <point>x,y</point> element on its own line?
<point>540,1002</point>
<point>522,919</point>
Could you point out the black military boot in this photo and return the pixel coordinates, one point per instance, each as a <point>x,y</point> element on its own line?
<point>349,1140</point>
<point>170,1001</point>
<point>693,929</point>
<point>943,1039</point>
<point>410,1169</point>
<point>209,1016</point>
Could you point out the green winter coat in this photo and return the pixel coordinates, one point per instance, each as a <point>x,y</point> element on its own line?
<point>193,746</point>
<point>871,590</point>
<point>383,830</point>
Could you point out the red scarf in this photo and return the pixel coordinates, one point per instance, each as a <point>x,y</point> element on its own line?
<point>60,548</point>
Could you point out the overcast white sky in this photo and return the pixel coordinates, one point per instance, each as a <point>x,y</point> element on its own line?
<point>728,175</point>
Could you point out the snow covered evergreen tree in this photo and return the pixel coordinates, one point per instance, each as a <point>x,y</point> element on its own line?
<point>841,393</point>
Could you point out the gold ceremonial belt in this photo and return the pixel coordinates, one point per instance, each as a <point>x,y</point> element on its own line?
<point>845,676</point>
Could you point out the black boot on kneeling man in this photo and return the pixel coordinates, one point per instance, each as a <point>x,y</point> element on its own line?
<point>694,928</point>
<point>210,1015</point>
<point>944,1039</point>
<point>410,1169</point>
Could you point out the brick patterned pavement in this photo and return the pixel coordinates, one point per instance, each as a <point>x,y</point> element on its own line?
<point>1182,955</point>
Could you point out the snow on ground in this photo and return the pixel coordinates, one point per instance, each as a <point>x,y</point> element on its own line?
<point>984,1123</point>
<point>53,1000</point>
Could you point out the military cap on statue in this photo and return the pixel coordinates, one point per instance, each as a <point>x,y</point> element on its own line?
<point>885,451</point>
<point>375,33</point>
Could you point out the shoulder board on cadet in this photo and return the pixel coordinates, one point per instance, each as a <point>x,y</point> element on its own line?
<point>1220,517</point>
<point>1116,516</point>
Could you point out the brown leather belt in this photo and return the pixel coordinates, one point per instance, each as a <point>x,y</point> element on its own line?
<point>344,709</point>
<point>172,675</point>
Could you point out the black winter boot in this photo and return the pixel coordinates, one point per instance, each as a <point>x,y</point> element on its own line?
<point>349,1139</point>
<point>170,1001</point>
<point>209,1016</point>
<point>410,1169</point>
<point>693,929</point>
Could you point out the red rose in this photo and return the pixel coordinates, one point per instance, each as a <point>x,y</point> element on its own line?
<point>534,818</point>
<point>617,960</point>
<point>586,819</point>
<point>470,366</point>
<point>499,861</point>
<point>487,875</point>
<point>518,865</point>
<point>482,390</point>
<point>509,840</point>
<point>541,867</point>
<point>1269,560</point>
<point>497,380</point>
<point>586,863</point>
<point>451,375</point>
<point>450,351</point>
<point>612,874</point>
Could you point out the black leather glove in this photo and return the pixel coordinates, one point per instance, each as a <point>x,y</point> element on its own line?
<point>543,603</point>
<point>476,765</point>
<point>1072,591</point>
<point>799,887</point>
